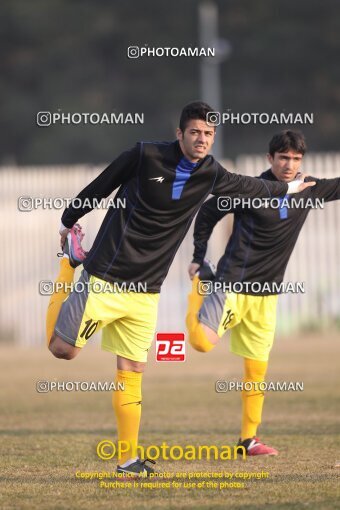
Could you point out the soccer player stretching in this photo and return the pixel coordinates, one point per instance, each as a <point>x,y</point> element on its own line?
<point>258,252</point>
<point>163,184</point>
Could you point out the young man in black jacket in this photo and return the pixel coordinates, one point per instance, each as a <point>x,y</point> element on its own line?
<point>250,274</point>
<point>163,185</point>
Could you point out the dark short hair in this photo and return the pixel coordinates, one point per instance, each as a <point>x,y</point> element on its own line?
<point>288,140</point>
<point>195,110</point>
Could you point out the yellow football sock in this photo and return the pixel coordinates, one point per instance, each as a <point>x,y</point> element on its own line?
<point>197,337</point>
<point>127,405</point>
<point>66,275</point>
<point>252,400</point>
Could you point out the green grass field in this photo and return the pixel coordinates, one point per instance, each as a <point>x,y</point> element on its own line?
<point>46,438</point>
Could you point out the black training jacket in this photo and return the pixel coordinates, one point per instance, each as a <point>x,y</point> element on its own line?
<point>138,243</point>
<point>262,239</point>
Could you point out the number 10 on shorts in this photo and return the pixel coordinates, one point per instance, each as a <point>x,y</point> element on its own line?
<point>170,347</point>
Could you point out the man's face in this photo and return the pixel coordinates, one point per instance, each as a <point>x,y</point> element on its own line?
<point>196,140</point>
<point>285,165</point>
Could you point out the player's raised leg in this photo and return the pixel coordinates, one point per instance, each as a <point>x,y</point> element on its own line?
<point>73,255</point>
<point>201,336</point>
<point>62,290</point>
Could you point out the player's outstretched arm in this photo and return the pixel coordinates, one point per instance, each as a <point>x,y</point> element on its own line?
<point>327,189</point>
<point>208,216</point>
<point>235,185</point>
<point>118,172</point>
<point>299,184</point>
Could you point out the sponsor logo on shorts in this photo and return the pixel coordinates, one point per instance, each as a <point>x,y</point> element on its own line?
<point>170,347</point>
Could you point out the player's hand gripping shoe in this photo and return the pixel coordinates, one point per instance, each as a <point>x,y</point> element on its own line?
<point>72,247</point>
<point>137,469</point>
<point>207,271</point>
<point>254,447</point>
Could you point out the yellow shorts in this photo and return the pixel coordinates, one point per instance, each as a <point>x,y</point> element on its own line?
<point>128,319</point>
<point>252,320</point>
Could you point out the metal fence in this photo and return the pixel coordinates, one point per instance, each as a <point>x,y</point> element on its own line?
<point>30,243</point>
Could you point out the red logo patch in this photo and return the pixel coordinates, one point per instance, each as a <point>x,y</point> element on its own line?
<point>170,347</point>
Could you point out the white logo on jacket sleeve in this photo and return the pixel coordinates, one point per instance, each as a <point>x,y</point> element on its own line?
<point>157,179</point>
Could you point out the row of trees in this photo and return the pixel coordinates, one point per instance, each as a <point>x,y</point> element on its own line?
<point>71,56</point>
